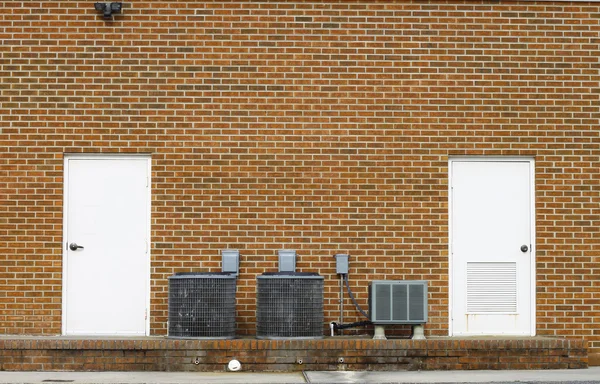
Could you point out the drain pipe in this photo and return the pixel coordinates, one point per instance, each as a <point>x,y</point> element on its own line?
<point>335,326</point>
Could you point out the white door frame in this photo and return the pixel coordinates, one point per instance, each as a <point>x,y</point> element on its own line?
<point>531,162</point>
<point>73,156</point>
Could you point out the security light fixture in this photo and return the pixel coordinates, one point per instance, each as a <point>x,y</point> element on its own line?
<point>108,9</point>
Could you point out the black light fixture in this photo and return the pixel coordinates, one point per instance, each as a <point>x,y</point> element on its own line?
<point>108,8</point>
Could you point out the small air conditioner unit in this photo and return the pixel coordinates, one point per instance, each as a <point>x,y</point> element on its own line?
<point>398,302</point>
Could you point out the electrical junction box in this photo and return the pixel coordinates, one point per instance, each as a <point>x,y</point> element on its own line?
<point>341,263</point>
<point>230,262</point>
<point>287,260</point>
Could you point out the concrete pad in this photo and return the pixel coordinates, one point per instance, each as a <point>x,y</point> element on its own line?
<point>590,375</point>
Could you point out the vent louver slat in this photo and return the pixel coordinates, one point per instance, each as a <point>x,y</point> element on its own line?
<point>491,287</point>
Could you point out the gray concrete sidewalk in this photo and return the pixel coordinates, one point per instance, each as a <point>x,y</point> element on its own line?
<point>149,377</point>
<point>591,375</point>
<point>580,376</point>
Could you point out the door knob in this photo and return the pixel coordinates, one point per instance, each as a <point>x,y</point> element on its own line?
<point>74,246</point>
<point>524,248</point>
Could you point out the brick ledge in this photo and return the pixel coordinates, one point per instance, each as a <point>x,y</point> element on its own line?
<point>161,354</point>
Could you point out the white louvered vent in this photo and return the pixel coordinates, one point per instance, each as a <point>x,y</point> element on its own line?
<point>491,287</point>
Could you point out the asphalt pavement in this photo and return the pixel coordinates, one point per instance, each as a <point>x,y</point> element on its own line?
<point>578,376</point>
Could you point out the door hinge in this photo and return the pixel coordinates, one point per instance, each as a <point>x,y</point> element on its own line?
<point>147,181</point>
<point>146,314</point>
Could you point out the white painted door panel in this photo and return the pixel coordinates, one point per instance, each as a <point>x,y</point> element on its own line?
<point>491,220</point>
<point>106,281</point>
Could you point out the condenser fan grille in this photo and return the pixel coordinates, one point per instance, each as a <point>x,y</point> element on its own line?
<point>202,305</point>
<point>289,305</point>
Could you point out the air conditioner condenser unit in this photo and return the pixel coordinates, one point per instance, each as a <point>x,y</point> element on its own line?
<point>398,301</point>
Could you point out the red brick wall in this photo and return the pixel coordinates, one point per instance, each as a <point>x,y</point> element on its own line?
<point>320,126</point>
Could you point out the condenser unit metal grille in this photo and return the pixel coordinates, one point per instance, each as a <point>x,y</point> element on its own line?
<point>398,302</point>
<point>202,305</point>
<point>289,305</point>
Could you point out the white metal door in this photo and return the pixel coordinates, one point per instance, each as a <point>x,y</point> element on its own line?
<point>492,279</point>
<point>106,280</point>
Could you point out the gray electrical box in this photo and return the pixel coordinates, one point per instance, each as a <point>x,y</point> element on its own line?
<point>341,263</point>
<point>287,260</point>
<point>230,262</point>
